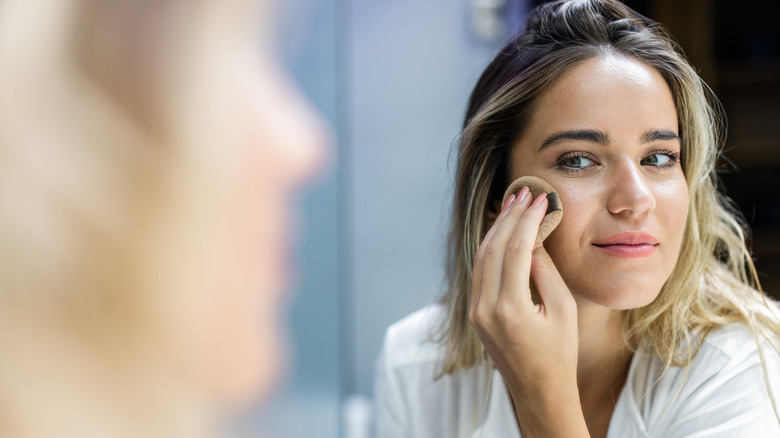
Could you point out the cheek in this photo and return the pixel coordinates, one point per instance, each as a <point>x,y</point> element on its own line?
<point>567,243</point>
<point>250,299</point>
<point>275,144</point>
<point>248,270</point>
<point>247,347</point>
<point>672,210</point>
<point>580,204</point>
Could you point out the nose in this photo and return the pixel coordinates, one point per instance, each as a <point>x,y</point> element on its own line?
<point>298,134</point>
<point>630,194</point>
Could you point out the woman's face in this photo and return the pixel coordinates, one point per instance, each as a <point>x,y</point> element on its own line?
<point>279,145</point>
<point>273,142</point>
<point>605,136</point>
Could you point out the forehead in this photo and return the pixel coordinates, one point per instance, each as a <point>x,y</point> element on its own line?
<point>609,93</point>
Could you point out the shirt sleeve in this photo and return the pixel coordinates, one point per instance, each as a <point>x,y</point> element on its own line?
<point>732,403</point>
<point>389,407</point>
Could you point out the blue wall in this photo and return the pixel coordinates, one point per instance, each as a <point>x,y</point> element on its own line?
<point>392,78</point>
<point>413,64</point>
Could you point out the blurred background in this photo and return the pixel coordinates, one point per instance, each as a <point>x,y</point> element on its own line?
<point>392,78</point>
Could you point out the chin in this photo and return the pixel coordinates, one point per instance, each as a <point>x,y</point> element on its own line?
<point>250,364</point>
<point>620,298</point>
<point>250,380</point>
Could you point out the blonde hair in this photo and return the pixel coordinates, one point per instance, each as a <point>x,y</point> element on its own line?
<point>714,282</point>
<point>108,111</point>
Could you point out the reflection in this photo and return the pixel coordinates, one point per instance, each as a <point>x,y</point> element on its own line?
<point>149,156</point>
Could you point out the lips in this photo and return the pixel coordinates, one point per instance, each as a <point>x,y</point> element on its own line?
<point>628,245</point>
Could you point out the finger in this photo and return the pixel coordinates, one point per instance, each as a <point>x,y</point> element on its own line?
<point>517,256</point>
<point>553,291</point>
<point>492,249</point>
<point>476,275</point>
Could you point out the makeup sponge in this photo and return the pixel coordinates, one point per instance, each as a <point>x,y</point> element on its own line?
<point>537,186</point>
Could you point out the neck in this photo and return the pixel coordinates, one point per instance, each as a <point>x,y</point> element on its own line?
<point>603,357</point>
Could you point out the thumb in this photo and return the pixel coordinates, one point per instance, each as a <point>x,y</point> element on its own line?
<point>552,289</point>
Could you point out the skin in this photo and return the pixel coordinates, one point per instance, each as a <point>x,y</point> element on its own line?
<point>251,142</point>
<point>278,146</point>
<point>625,184</point>
<point>281,147</point>
<point>273,142</point>
<point>201,332</point>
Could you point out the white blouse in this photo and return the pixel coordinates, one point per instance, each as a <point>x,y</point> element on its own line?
<point>723,394</point>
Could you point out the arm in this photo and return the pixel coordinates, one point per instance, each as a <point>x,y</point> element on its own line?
<point>534,346</point>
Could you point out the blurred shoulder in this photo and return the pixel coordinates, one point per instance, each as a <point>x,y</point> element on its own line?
<point>413,338</point>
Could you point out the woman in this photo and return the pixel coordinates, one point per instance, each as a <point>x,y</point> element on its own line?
<point>641,314</point>
<point>148,154</point>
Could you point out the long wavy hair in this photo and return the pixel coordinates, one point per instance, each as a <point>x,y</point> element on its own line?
<point>714,282</point>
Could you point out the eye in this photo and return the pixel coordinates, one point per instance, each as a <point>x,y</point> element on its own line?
<point>660,159</point>
<point>575,162</point>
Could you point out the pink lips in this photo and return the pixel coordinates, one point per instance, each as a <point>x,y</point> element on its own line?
<point>628,245</point>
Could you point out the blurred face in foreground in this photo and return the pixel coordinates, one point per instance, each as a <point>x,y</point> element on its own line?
<point>151,154</point>
<point>277,146</point>
<point>269,143</point>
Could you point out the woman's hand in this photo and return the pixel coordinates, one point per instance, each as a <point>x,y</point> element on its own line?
<point>534,346</point>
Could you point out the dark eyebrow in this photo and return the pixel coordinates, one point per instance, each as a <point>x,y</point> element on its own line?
<point>588,135</point>
<point>659,134</point>
<point>602,138</point>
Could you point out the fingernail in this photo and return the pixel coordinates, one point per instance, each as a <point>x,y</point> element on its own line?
<point>508,203</point>
<point>539,199</point>
<point>523,194</point>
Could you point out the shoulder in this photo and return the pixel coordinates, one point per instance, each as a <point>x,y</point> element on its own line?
<point>732,341</point>
<point>413,339</point>
<point>733,353</point>
<point>726,353</point>
<point>725,386</point>
<point>411,399</point>
<point>727,346</point>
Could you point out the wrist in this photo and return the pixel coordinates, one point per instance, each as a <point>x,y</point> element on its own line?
<point>552,411</point>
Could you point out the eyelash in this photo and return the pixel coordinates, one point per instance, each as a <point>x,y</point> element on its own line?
<point>559,162</point>
<point>674,159</point>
